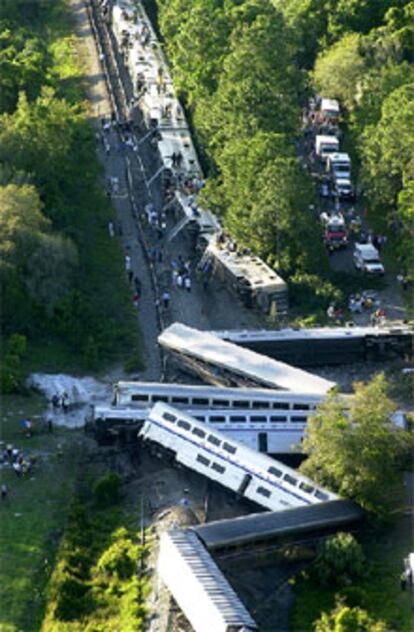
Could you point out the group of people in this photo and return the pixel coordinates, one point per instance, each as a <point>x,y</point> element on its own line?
<point>14,457</point>
<point>61,401</point>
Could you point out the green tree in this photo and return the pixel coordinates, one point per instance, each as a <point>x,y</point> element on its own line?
<point>359,454</point>
<point>340,69</point>
<point>339,560</point>
<point>345,619</point>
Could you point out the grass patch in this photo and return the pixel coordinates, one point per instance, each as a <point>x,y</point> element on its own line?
<point>34,516</point>
<point>379,593</point>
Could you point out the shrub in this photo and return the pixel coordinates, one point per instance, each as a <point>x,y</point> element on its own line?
<point>340,558</point>
<point>107,489</point>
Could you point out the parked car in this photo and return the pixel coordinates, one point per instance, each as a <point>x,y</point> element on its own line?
<point>343,188</point>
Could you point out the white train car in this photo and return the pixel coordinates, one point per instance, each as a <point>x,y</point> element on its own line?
<point>209,452</point>
<point>198,585</point>
<point>146,394</point>
<point>270,432</point>
<point>225,363</point>
<point>250,278</point>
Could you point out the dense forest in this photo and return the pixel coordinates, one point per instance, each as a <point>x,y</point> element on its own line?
<point>246,68</point>
<point>61,275</point>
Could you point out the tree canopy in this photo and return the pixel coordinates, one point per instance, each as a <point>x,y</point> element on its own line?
<point>360,453</point>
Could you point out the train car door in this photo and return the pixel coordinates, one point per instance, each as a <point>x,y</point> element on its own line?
<point>262,442</point>
<point>244,484</point>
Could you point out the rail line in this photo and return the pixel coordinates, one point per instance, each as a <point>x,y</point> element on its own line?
<point>136,179</point>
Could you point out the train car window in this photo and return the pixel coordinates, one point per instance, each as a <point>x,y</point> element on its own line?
<point>238,418</point>
<point>230,448</point>
<point>258,419</point>
<point>199,432</point>
<point>280,405</point>
<point>321,495</point>
<point>200,401</point>
<point>301,407</point>
<point>183,424</point>
<point>264,492</point>
<point>159,398</point>
<point>213,440</point>
<point>307,488</point>
<point>275,471</point>
<point>199,418</point>
<point>216,419</point>
<point>276,418</point>
<point>260,405</point>
<point>202,459</point>
<point>219,468</point>
<point>180,400</point>
<point>221,402</point>
<point>169,417</point>
<point>289,479</point>
<point>297,419</point>
<point>239,403</point>
<point>140,398</point>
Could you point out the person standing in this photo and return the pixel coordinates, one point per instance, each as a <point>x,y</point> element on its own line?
<point>127,263</point>
<point>166,299</point>
<point>187,283</point>
<point>4,492</point>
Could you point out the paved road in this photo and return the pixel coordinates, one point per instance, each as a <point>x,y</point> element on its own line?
<point>390,298</point>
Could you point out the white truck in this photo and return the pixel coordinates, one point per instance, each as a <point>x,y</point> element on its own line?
<point>367,259</point>
<point>325,146</point>
<point>339,165</point>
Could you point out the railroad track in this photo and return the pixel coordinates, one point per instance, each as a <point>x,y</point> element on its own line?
<point>120,93</point>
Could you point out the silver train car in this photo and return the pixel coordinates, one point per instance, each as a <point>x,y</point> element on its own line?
<point>224,363</point>
<point>268,431</point>
<point>145,394</point>
<point>251,475</point>
<point>319,346</point>
<point>144,59</point>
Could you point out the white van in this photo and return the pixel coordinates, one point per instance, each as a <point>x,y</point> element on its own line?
<point>367,259</point>
<point>325,146</point>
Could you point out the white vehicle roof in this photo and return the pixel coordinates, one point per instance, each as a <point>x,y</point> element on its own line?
<point>254,270</point>
<point>323,333</point>
<point>326,140</point>
<point>339,157</point>
<point>343,182</point>
<point>330,105</point>
<point>203,345</point>
<point>367,250</point>
<point>206,220</point>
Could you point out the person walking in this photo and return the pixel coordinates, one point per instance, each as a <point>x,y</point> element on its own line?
<point>4,492</point>
<point>187,283</point>
<point>127,263</point>
<point>166,299</point>
<point>138,286</point>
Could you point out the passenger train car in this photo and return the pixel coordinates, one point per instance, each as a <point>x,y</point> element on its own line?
<point>268,431</point>
<point>145,394</point>
<point>320,346</point>
<point>254,282</point>
<point>198,585</point>
<point>227,364</point>
<point>209,452</point>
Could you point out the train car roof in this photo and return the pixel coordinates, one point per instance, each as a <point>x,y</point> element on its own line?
<point>313,333</point>
<point>209,348</point>
<point>258,273</point>
<point>271,524</point>
<point>207,576</point>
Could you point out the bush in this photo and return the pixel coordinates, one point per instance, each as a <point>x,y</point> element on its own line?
<point>107,489</point>
<point>340,559</point>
